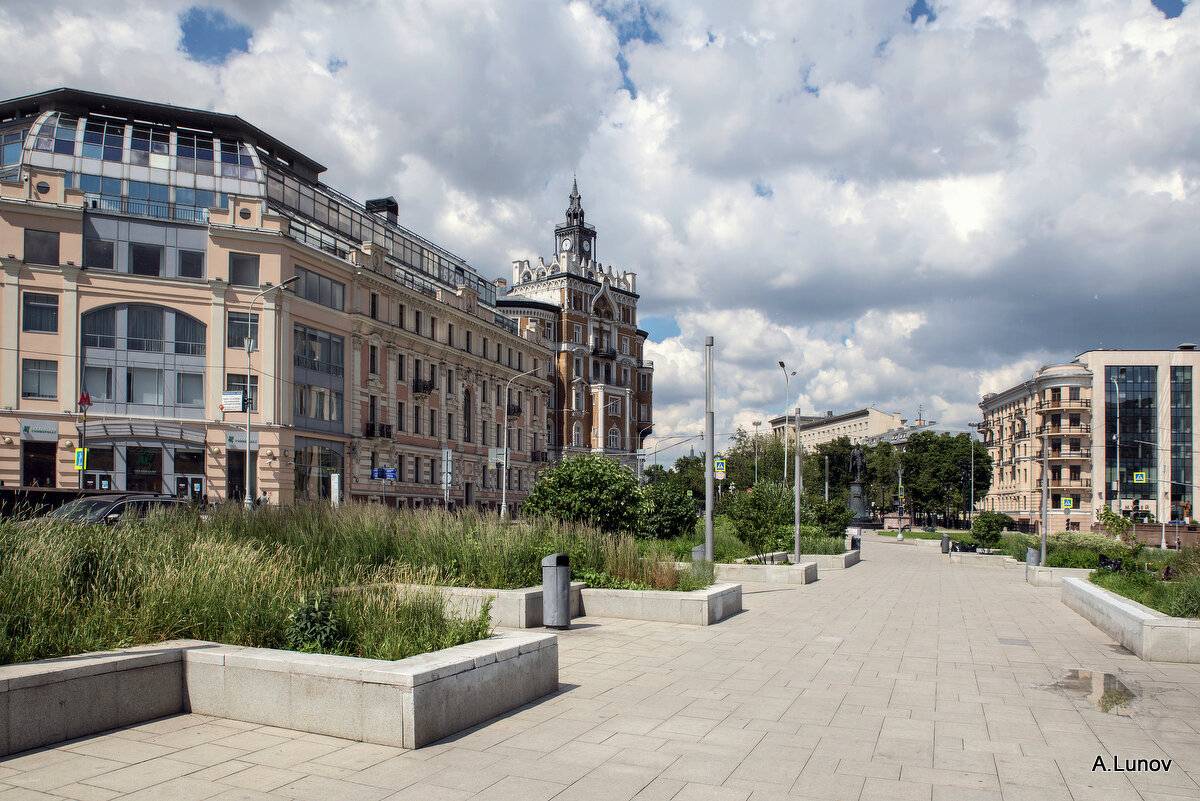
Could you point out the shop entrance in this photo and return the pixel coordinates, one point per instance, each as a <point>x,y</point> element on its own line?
<point>236,478</point>
<point>37,463</point>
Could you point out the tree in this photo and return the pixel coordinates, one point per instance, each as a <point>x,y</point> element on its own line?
<point>1116,525</point>
<point>831,516</point>
<point>758,515</point>
<point>587,489</point>
<point>655,474</point>
<point>838,451</point>
<point>882,475</point>
<point>666,511</point>
<point>987,526</point>
<point>937,471</point>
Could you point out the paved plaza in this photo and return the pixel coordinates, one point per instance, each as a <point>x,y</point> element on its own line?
<point>905,677</point>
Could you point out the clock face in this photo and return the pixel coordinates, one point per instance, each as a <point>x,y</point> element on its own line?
<point>566,244</point>
<point>586,246</point>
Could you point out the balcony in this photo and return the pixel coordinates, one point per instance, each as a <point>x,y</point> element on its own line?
<point>1021,435</point>
<point>422,386</point>
<point>1084,453</point>
<point>1064,428</point>
<point>1063,403</point>
<point>373,430</point>
<point>156,209</point>
<point>607,353</point>
<point>513,410</point>
<point>539,456</point>
<point>1076,483</point>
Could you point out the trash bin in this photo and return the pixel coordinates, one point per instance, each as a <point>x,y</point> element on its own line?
<point>556,591</point>
<point>855,542</point>
<point>1033,557</point>
<point>945,543</point>
<point>698,553</point>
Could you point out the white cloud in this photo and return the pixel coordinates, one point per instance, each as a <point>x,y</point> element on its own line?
<point>947,205</point>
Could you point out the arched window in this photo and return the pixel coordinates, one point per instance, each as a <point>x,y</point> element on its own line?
<point>614,438</point>
<point>577,436</point>
<point>468,417</point>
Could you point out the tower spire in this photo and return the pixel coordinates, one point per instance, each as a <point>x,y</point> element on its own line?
<point>575,208</point>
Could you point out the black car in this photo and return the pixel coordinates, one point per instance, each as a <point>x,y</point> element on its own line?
<point>112,508</point>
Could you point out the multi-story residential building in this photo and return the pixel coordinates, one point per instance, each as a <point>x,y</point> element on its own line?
<point>602,382</point>
<point>858,426</point>
<point>143,245</point>
<point>1113,427</point>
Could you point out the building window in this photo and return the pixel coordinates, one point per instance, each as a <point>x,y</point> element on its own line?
<point>243,269</point>
<point>449,426</point>
<point>372,359</point>
<point>579,367</point>
<point>400,314</point>
<point>450,334</point>
<point>416,419</point>
<point>399,416</point>
<point>239,326</point>
<point>145,328</point>
<point>417,322</point>
<point>433,327</point>
<point>190,389</point>
<point>467,342</point>
<point>318,350</point>
<point>373,309</point>
<point>144,385</point>
<point>98,382</point>
<point>98,254</point>
<point>400,367</point>
<point>39,378</point>
<point>614,438</point>
<point>41,247</point>
<point>433,422</point>
<point>191,264</point>
<point>577,436</point>
<point>319,289</point>
<point>39,313</point>
<point>190,335</point>
<point>145,259</point>
<point>644,381</point>
<point>235,382</point>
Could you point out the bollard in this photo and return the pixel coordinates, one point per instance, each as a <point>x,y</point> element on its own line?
<point>945,543</point>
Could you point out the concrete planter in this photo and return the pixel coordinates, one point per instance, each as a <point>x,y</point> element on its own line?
<point>698,608</point>
<point>1150,634</point>
<point>514,609</point>
<point>407,703</point>
<point>803,573</point>
<point>986,560</point>
<point>840,561</point>
<point>1053,576</point>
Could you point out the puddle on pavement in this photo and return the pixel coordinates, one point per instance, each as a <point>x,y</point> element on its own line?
<point>1106,691</point>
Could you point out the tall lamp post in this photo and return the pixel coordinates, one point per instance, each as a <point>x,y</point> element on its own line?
<point>787,381</point>
<point>504,480</point>
<point>757,423</point>
<point>971,508</point>
<point>248,500</point>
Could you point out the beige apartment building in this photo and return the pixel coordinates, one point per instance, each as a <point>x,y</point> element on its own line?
<point>858,425</point>
<point>143,244</point>
<point>1113,427</point>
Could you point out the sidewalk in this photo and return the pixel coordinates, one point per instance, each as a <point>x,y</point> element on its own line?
<point>904,677</point>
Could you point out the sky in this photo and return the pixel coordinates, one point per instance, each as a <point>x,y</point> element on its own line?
<point>910,204</point>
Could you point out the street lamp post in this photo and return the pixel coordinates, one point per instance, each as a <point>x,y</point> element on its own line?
<point>757,423</point>
<point>787,380</point>
<point>504,480</point>
<point>248,500</point>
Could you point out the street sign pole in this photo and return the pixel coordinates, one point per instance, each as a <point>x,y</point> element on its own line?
<point>709,435</point>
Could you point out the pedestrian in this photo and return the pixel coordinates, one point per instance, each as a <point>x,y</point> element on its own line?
<point>264,499</point>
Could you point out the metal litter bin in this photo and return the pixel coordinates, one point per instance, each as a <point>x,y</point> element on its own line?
<point>1033,557</point>
<point>698,553</point>
<point>855,542</point>
<point>945,543</point>
<point>556,591</point>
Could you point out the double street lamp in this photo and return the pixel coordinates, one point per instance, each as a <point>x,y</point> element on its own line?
<point>249,500</point>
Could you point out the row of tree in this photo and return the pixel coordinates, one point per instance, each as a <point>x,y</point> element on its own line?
<point>936,470</point>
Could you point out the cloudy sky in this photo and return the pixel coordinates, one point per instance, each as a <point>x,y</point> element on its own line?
<point>909,204</point>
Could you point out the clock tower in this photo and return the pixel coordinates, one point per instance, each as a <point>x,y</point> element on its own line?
<point>575,237</point>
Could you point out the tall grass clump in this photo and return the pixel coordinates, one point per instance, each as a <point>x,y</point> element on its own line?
<point>67,589</point>
<point>465,548</point>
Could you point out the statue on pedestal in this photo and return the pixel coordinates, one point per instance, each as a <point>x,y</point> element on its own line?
<point>857,501</point>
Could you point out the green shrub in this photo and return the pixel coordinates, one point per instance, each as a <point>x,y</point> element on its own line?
<point>312,626</point>
<point>1072,557</point>
<point>666,511</point>
<point>587,489</point>
<point>831,517</point>
<point>986,527</point>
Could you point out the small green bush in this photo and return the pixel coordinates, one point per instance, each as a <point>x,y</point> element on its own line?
<point>987,526</point>
<point>312,626</point>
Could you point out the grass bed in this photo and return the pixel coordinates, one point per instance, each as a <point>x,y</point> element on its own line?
<point>72,589</point>
<point>727,547</point>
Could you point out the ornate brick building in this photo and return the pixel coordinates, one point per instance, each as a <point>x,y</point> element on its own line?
<point>602,384</point>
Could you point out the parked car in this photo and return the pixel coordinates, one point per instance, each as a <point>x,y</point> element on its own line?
<point>112,508</point>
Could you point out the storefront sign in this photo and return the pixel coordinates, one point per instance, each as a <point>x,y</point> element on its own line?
<point>39,431</point>
<point>236,440</point>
